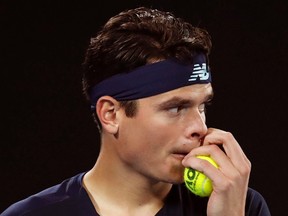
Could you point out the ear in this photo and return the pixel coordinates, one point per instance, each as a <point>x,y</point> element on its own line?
<point>106,109</point>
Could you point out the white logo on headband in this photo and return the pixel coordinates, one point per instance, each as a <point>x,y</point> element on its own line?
<point>199,72</point>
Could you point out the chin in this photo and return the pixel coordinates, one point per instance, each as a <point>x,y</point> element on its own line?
<point>176,180</point>
<point>176,175</point>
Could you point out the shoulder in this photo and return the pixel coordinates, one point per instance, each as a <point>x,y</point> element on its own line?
<point>180,199</point>
<point>55,198</point>
<point>256,204</point>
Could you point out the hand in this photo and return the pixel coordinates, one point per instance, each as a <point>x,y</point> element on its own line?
<point>230,180</point>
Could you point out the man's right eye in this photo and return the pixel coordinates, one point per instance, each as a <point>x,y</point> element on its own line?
<point>176,109</point>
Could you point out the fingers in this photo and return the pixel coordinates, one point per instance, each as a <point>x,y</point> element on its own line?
<point>233,156</point>
<point>230,179</point>
<point>233,163</point>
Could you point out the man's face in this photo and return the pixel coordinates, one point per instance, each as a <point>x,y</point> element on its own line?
<point>166,127</point>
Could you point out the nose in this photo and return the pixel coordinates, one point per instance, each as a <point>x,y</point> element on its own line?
<point>197,126</point>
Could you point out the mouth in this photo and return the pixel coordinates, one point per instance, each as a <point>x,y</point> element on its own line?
<point>179,155</point>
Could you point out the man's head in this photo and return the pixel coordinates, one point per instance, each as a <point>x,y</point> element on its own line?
<point>139,37</point>
<point>147,79</point>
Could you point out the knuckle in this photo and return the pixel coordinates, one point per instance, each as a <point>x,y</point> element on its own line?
<point>226,185</point>
<point>214,148</point>
<point>204,164</point>
<point>228,135</point>
<point>246,169</point>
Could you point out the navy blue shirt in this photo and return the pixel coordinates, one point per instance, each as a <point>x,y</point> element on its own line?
<point>69,198</point>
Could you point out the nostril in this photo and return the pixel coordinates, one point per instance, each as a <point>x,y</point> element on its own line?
<point>195,135</point>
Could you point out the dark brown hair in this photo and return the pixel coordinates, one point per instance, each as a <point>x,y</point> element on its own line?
<point>137,37</point>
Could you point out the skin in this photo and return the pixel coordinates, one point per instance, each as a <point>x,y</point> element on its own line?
<point>141,157</point>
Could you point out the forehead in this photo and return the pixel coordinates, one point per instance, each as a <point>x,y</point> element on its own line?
<point>192,92</point>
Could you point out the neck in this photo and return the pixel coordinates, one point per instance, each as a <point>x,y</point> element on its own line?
<point>116,189</point>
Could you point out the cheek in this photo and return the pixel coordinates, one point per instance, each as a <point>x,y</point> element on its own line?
<point>157,129</point>
<point>145,136</point>
<point>143,149</point>
<point>148,134</point>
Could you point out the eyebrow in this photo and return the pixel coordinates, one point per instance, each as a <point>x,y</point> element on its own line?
<point>178,101</point>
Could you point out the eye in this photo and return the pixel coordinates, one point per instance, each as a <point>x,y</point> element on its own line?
<point>175,110</point>
<point>203,107</point>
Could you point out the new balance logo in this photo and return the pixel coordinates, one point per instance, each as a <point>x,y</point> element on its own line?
<point>199,73</point>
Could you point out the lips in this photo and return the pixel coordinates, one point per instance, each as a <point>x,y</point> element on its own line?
<point>184,149</point>
<point>180,153</point>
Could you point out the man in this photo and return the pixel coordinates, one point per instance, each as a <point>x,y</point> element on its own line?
<point>147,77</point>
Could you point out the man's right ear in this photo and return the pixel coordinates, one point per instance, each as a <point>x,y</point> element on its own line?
<point>106,109</point>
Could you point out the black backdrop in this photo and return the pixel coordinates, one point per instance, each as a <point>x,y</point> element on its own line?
<point>48,133</point>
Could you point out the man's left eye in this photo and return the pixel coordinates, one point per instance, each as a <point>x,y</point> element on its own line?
<point>202,108</point>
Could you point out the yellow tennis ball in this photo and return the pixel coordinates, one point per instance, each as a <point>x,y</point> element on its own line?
<point>197,182</point>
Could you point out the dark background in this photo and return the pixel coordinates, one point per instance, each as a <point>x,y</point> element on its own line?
<point>47,131</point>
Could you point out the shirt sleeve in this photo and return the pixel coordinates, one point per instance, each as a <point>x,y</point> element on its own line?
<point>256,204</point>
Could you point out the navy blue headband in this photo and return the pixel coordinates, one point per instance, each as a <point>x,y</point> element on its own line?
<point>152,79</point>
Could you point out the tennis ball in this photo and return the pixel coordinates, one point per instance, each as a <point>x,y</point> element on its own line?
<point>197,182</point>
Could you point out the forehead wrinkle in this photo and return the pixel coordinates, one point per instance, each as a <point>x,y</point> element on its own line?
<point>203,93</point>
<point>175,100</point>
<point>187,100</point>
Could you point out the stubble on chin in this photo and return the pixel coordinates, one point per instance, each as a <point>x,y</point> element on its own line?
<point>176,174</point>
